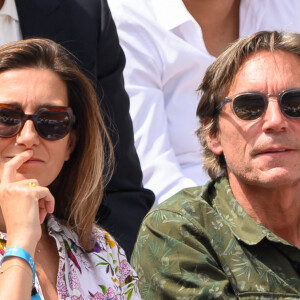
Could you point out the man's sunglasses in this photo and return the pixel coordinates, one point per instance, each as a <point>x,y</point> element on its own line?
<point>51,122</point>
<point>252,105</point>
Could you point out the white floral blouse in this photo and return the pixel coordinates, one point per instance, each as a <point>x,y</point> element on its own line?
<point>100,274</point>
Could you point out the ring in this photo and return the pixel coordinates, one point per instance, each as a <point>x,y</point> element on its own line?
<point>32,184</point>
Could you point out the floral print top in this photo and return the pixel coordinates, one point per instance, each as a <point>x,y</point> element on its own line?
<point>101,274</point>
<point>201,244</point>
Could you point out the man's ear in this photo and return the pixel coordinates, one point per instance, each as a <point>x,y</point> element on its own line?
<point>213,140</point>
<point>214,143</point>
<point>71,144</point>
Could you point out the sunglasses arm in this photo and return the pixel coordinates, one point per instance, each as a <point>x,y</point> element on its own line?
<point>225,101</point>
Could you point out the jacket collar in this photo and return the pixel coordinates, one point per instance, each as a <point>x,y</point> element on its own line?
<point>242,225</point>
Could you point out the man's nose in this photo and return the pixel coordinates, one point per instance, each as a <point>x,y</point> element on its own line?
<point>274,119</point>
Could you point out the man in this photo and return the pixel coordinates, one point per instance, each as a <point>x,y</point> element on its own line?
<point>168,45</point>
<point>237,236</point>
<point>86,28</point>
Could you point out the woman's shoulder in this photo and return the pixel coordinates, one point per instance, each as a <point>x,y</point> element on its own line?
<point>113,259</point>
<point>105,241</point>
<point>103,270</point>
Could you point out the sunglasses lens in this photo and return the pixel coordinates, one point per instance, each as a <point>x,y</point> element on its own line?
<point>249,106</point>
<point>10,122</point>
<point>53,125</point>
<point>290,103</point>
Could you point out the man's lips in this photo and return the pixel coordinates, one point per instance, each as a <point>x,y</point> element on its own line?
<point>273,150</point>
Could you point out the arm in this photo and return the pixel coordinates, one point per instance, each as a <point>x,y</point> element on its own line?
<point>23,209</point>
<point>174,259</point>
<point>125,198</point>
<point>16,279</point>
<point>144,75</point>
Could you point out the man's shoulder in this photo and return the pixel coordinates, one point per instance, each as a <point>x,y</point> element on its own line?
<point>190,203</point>
<point>188,195</point>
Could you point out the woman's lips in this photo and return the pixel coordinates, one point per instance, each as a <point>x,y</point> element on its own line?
<point>33,161</point>
<point>29,161</point>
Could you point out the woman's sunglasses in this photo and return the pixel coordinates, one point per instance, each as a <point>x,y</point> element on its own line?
<point>51,122</point>
<point>252,105</point>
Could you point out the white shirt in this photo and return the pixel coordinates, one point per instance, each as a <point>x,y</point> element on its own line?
<point>166,60</point>
<point>9,23</point>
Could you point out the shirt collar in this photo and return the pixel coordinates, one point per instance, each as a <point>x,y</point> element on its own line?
<point>242,225</point>
<point>56,227</point>
<point>171,13</point>
<point>9,9</point>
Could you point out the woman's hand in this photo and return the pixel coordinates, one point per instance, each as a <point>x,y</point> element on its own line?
<point>24,205</point>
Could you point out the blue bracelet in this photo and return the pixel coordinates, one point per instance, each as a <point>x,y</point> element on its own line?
<point>19,252</point>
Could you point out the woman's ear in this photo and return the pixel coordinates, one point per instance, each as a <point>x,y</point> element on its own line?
<point>71,144</point>
<point>214,143</point>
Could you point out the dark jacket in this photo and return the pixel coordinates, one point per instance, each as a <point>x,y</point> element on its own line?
<point>86,28</point>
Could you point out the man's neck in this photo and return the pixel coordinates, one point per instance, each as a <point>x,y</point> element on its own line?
<point>1,3</point>
<point>276,209</point>
<point>219,22</point>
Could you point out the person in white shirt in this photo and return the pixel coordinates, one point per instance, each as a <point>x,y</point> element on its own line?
<point>9,22</point>
<point>168,46</point>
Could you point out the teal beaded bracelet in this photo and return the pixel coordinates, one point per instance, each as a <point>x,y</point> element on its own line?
<point>19,252</point>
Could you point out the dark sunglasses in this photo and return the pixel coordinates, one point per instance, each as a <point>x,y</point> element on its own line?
<point>252,105</point>
<point>51,122</point>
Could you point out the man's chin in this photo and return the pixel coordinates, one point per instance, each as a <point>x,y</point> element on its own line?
<point>277,177</point>
<point>268,178</point>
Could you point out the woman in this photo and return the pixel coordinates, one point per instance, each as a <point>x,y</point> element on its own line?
<point>53,169</point>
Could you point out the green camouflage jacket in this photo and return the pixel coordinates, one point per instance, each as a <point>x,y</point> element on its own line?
<point>201,244</point>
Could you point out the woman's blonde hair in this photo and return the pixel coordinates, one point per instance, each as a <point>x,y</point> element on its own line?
<point>78,189</point>
<point>218,78</point>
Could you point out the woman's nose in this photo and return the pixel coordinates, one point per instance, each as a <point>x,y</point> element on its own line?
<point>28,135</point>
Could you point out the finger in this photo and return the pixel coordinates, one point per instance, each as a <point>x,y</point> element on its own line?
<point>42,214</point>
<point>10,168</point>
<point>45,207</point>
<point>49,204</point>
<point>46,199</point>
<point>44,210</point>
